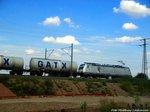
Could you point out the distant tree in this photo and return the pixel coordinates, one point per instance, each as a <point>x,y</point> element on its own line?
<point>141,75</point>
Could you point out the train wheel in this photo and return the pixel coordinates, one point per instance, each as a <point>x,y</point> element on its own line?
<point>109,77</point>
<point>12,73</point>
<point>19,73</point>
<point>39,73</point>
<point>32,73</point>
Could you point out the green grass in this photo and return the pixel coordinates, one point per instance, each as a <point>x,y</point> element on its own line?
<point>108,106</point>
<point>23,86</point>
<point>28,85</point>
<point>84,107</point>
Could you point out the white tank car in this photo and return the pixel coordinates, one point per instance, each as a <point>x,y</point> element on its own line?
<point>98,70</point>
<point>38,66</point>
<point>15,64</point>
<point>66,66</point>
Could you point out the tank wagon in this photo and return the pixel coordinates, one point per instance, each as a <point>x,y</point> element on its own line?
<point>38,66</point>
<point>14,64</point>
<point>99,70</point>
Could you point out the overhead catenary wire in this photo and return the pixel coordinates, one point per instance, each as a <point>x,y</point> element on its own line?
<point>63,49</point>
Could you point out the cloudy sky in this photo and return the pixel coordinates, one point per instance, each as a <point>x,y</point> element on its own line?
<point>101,31</point>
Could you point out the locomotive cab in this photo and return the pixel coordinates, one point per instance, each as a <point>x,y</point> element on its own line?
<point>80,70</point>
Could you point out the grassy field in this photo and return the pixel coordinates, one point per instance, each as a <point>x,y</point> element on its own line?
<point>28,85</point>
<point>127,93</point>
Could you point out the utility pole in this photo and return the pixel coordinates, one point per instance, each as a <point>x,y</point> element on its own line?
<point>144,60</point>
<point>48,51</point>
<point>71,59</point>
<point>63,49</point>
<point>71,56</point>
<point>45,53</point>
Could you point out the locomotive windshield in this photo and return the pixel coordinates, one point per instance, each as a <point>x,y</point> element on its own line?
<point>81,66</point>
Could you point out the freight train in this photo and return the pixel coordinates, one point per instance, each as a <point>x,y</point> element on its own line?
<point>39,66</point>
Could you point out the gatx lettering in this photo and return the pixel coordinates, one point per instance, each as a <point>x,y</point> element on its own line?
<point>6,61</point>
<point>48,64</point>
<point>40,63</point>
<point>64,66</point>
<point>55,63</point>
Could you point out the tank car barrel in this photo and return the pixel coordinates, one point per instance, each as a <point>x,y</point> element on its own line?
<point>14,64</point>
<point>40,65</point>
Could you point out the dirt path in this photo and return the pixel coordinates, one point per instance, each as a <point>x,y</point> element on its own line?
<point>58,103</point>
<point>5,92</point>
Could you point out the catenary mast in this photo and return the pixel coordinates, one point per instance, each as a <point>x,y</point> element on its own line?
<point>144,60</point>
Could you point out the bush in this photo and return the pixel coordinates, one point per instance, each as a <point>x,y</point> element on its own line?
<point>23,86</point>
<point>48,87</point>
<point>4,79</point>
<point>104,84</point>
<point>107,106</point>
<point>106,91</point>
<point>127,87</point>
<point>141,75</point>
<point>84,107</point>
<point>93,87</point>
<point>142,86</point>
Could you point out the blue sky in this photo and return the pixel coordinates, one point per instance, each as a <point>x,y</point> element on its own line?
<point>103,32</point>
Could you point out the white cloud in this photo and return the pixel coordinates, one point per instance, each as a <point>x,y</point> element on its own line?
<point>129,26</point>
<point>74,26</point>
<point>52,21</point>
<point>56,21</point>
<point>76,51</point>
<point>68,39</point>
<point>87,50</point>
<point>66,51</point>
<point>115,10</point>
<point>132,8</point>
<point>126,39</point>
<point>98,51</point>
<point>29,51</point>
<point>49,39</point>
<point>56,55</point>
<point>68,20</point>
<point>148,53</point>
<point>71,23</point>
<point>4,52</point>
